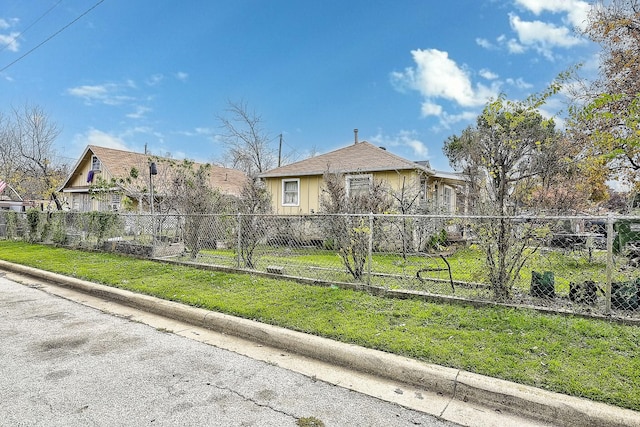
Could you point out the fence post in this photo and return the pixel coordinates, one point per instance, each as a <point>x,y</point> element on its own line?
<point>609,264</point>
<point>370,250</point>
<point>239,258</point>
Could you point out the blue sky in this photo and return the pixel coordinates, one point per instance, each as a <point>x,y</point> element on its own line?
<point>407,74</point>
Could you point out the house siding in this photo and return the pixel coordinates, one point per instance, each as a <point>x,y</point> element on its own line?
<point>79,200</point>
<point>119,165</point>
<point>311,189</point>
<point>362,158</point>
<point>309,195</point>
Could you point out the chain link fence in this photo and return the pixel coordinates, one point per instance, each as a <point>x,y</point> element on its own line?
<point>575,263</point>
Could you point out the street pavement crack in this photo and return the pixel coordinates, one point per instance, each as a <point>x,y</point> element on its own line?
<point>252,400</point>
<point>453,396</point>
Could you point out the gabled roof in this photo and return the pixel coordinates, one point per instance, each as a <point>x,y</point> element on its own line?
<point>357,158</point>
<point>118,164</point>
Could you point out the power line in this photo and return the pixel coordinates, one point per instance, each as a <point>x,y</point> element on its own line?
<point>30,25</point>
<point>53,35</point>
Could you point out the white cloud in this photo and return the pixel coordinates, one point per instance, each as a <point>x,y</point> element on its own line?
<point>11,41</point>
<point>100,138</point>
<point>577,10</point>
<point>485,43</point>
<point>108,94</point>
<point>514,47</point>
<point>154,80</point>
<point>404,138</point>
<point>488,74</point>
<point>431,109</point>
<point>440,79</point>
<point>182,76</point>
<point>139,113</point>
<point>87,91</point>
<point>542,36</point>
<point>438,76</point>
<point>519,83</point>
<point>6,24</point>
<point>199,131</point>
<point>131,133</point>
<point>448,120</point>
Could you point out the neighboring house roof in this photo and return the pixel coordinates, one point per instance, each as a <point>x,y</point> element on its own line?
<point>454,176</point>
<point>118,164</point>
<point>8,193</point>
<point>360,157</point>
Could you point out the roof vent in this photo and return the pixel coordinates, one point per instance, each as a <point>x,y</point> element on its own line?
<point>355,136</point>
<point>383,148</point>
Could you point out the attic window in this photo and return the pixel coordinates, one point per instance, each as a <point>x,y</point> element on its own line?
<point>95,163</point>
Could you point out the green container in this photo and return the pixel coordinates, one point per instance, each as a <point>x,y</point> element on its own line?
<point>628,231</point>
<point>543,284</point>
<point>624,295</point>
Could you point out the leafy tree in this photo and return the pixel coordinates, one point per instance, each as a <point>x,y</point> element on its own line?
<point>611,126</point>
<point>507,155</point>
<point>607,121</point>
<point>504,159</point>
<point>563,185</point>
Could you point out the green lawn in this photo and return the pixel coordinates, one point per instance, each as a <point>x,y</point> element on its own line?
<point>393,271</point>
<point>588,358</point>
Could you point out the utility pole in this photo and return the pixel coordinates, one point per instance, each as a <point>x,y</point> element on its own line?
<point>153,170</point>
<point>280,151</point>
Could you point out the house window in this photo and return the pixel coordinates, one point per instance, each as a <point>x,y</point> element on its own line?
<point>115,202</point>
<point>290,192</point>
<point>358,185</point>
<point>424,189</point>
<point>95,163</point>
<point>447,198</point>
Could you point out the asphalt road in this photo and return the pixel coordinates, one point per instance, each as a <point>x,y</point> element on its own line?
<point>66,364</point>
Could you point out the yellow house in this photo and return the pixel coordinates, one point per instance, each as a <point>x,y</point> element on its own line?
<point>297,188</point>
<point>129,174</point>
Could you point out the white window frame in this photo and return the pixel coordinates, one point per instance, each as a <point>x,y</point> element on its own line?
<point>447,198</point>
<point>424,188</point>
<point>349,178</point>
<point>115,202</point>
<point>96,165</point>
<point>284,192</point>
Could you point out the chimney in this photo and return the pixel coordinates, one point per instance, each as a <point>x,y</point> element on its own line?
<point>355,135</point>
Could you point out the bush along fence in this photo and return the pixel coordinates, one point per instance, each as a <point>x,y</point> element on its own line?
<point>569,263</point>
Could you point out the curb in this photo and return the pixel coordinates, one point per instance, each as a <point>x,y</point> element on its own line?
<point>495,394</point>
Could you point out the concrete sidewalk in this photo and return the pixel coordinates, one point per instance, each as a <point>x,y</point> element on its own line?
<point>458,396</point>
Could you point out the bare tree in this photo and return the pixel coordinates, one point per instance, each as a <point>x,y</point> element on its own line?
<point>350,232</point>
<point>187,191</point>
<point>247,142</point>
<point>254,202</point>
<point>27,153</point>
<point>407,200</point>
